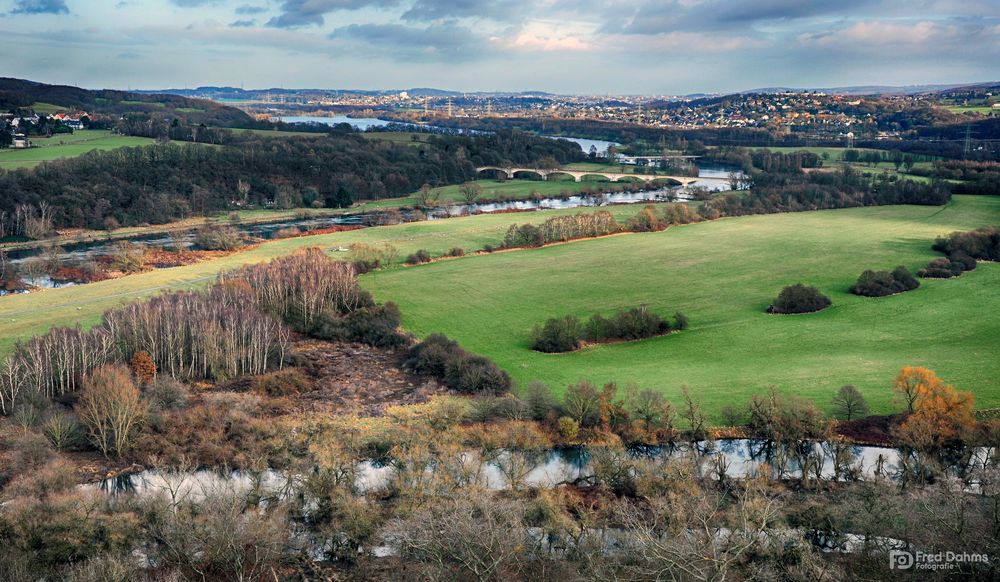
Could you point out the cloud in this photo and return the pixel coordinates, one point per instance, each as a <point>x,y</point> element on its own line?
<point>193,3</point>
<point>296,13</point>
<point>443,41</point>
<point>501,10</point>
<point>243,23</point>
<point>247,9</point>
<point>40,7</point>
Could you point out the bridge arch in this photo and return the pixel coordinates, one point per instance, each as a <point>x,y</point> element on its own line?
<point>521,172</point>
<point>494,172</point>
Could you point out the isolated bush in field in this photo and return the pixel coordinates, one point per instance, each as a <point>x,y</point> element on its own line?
<point>367,257</point>
<point>565,334</point>
<point>882,283</point>
<point>443,358</point>
<point>456,252</point>
<point>982,243</point>
<point>112,410</point>
<point>799,298</point>
<point>419,257</point>
<point>287,382</point>
<point>947,267</point>
<point>557,335</point>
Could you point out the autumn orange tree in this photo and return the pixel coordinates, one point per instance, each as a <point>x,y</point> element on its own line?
<point>938,413</point>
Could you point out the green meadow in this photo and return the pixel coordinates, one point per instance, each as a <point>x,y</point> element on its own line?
<point>22,316</point>
<point>66,146</point>
<point>723,275</point>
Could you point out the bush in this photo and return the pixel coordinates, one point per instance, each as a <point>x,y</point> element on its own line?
<point>628,324</point>
<point>557,335</point>
<point>443,358</point>
<point>375,326</point>
<point>63,430</point>
<point>882,283</point>
<point>285,382</point>
<point>166,393</point>
<point>945,268</point>
<point>421,256</point>
<point>799,299</point>
<point>565,334</point>
<point>456,252</point>
<point>646,221</point>
<point>982,244</point>
<point>218,238</point>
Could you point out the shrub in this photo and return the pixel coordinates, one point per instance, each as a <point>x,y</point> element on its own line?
<point>646,221</point>
<point>456,252</point>
<point>218,238</point>
<point>628,324</point>
<point>882,283</point>
<point>166,393</point>
<point>421,256</point>
<point>375,326</point>
<point>557,335</point>
<point>63,430</point>
<point>944,268</point>
<point>443,358</point>
<point>282,383</point>
<point>982,243</point>
<point>287,232</point>
<point>799,298</point>
<point>565,334</point>
<point>539,401</point>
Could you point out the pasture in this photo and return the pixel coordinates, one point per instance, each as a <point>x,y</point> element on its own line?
<point>66,146</point>
<point>723,275</point>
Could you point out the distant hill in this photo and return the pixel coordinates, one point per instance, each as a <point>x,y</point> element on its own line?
<point>20,93</point>
<point>871,89</point>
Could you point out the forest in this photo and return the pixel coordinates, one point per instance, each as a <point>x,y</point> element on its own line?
<point>160,183</point>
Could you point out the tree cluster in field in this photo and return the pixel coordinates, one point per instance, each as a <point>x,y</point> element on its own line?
<point>444,359</point>
<point>799,298</point>
<point>159,183</point>
<point>882,283</point>
<point>962,249</point>
<point>561,228</point>
<point>566,334</point>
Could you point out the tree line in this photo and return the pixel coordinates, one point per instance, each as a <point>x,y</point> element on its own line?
<point>159,183</point>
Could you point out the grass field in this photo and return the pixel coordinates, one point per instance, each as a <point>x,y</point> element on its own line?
<point>403,137</point>
<point>723,274</point>
<point>22,316</point>
<point>66,146</point>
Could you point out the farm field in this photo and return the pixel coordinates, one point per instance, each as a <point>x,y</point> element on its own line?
<point>66,146</point>
<point>723,275</point>
<point>22,316</point>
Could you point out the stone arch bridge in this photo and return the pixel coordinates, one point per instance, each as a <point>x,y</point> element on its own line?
<point>579,174</point>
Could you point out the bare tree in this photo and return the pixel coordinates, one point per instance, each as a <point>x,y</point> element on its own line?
<point>470,191</point>
<point>849,403</point>
<point>112,410</point>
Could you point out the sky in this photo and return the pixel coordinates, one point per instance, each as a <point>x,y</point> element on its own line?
<point>586,47</point>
